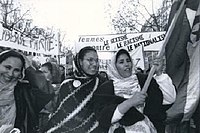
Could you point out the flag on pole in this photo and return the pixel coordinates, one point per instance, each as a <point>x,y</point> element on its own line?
<point>182,60</point>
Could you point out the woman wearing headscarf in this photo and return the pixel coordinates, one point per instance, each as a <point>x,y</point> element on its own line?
<point>121,106</point>
<point>74,112</point>
<point>20,100</point>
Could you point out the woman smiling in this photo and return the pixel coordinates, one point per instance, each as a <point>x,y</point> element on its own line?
<point>20,100</point>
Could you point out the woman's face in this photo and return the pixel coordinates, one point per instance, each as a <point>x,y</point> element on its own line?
<point>124,65</point>
<point>90,63</point>
<point>46,72</point>
<point>10,69</point>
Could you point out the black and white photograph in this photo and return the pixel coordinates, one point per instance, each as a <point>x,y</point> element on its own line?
<point>99,66</point>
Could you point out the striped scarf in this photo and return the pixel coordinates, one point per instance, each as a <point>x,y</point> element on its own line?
<point>74,113</point>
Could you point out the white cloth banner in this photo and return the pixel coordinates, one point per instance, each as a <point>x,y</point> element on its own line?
<point>16,40</point>
<point>151,41</point>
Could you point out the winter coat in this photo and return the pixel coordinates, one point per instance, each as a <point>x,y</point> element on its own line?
<point>31,96</point>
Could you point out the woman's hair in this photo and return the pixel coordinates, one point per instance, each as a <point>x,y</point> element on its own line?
<point>120,52</point>
<point>12,53</point>
<point>54,70</point>
<point>85,50</point>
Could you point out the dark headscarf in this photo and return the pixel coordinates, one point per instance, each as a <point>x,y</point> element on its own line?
<point>79,73</point>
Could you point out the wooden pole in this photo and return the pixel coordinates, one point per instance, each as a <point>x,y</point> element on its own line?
<point>162,51</point>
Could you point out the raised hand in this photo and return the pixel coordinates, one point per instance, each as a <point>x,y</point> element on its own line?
<point>159,65</point>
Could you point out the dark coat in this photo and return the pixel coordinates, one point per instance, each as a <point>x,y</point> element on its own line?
<point>30,97</point>
<point>106,103</point>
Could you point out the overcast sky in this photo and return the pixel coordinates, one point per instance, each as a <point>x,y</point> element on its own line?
<point>74,17</point>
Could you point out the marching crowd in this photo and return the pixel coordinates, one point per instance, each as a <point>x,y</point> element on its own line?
<point>43,100</point>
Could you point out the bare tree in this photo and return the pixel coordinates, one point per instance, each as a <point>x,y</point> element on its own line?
<point>13,19</point>
<point>11,14</point>
<point>158,21</point>
<point>152,21</point>
<point>127,18</point>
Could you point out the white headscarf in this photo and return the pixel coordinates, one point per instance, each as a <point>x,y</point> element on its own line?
<point>124,87</point>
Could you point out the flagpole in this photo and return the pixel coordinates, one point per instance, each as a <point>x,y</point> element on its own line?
<point>162,51</point>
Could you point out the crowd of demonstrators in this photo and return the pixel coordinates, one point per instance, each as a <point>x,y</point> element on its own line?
<point>74,112</point>
<point>20,100</point>
<point>89,100</point>
<point>53,75</point>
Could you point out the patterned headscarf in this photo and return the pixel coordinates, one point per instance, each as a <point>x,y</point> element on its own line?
<point>124,87</point>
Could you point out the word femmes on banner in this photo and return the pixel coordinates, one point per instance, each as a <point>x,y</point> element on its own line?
<point>93,40</point>
<point>104,45</point>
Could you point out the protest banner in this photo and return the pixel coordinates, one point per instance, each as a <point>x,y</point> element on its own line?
<point>135,43</point>
<point>16,40</point>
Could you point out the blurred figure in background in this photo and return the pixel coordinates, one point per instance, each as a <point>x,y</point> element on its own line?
<point>62,71</point>
<point>103,74</point>
<point>35,61</point>
<point>52,73</point>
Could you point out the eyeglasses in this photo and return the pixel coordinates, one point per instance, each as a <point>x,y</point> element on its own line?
<point>91,60</point>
